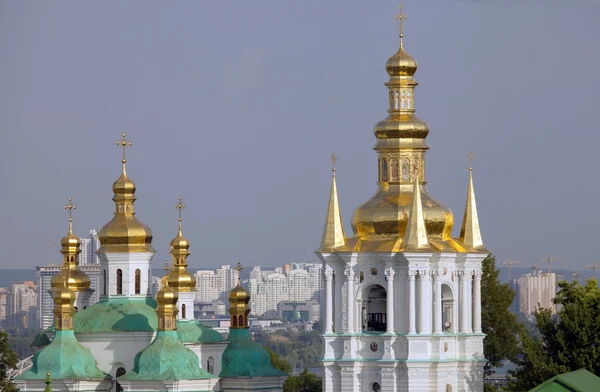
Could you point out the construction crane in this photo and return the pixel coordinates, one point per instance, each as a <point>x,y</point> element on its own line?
<point>550,260</point>
<point>534,268</point>
<point>593,268</point>
<point>510,263</point>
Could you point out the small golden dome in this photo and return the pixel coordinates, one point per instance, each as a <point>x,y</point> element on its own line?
<point>124,186</point>
<point>239,295</point>
<point>401,63</point>
<point>180,243</point>
<point>166,296</point>
<point>75,278</point>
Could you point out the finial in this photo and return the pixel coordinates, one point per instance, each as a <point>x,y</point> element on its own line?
<point>70,207</point>
<point>333,161</point>
<point>48,381</point>
<point>124,144</point>
<point>166,268</point>
<point>471,157</point>
<point>180,206</point>
<point>239,269</point>
<point>401,16</point>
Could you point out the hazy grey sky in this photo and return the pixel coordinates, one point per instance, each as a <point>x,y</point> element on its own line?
<point>237,106</point>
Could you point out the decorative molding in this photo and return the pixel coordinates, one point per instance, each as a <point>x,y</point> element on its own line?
<point>345,305</point>
<point>328,273</point>
<point>389,274</point>
<point>419,347</point>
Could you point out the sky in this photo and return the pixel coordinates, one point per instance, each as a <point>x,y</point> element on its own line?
<point>237,106</point>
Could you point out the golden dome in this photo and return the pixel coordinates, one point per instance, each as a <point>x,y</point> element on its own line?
<point>380,223</point>
<point>180,278</point>
<point>401,63</point>
<point>239,294</point>
<point>75,278</point>
<point>239,300</point>
<point>70,248</point>
<point>166,296</point>
<point>125,233</point>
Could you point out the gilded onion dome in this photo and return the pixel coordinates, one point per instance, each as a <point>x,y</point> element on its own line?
<point>380,223</point>
<point>239,303</point>
<point>125,233</point>
<point>70,249</point>
<point>166,309</point>
<point>180,278</point>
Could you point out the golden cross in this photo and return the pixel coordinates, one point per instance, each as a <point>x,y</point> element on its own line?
<point>166,268</point>
<point>123,143</point>
<point>400,16</point>
<point>70,207</point>
<point>333,161</point>
<point>471,157</point>
<point>180,206</point>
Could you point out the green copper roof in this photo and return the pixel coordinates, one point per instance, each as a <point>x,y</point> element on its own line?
<point>166,358</point>
<point>64,358</point>
<point>192,331</point>
<point>578,381</point>
<point>243,357</point>
<point>41,340</point>
<point>112,315</point>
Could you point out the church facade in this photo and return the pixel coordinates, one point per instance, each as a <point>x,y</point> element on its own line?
<point>402,304</point>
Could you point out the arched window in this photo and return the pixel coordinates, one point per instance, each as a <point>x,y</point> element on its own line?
<point>183,311</point>
<point>406,169</point>
<point>120,372</point>
<point>235,321</point>
<point>137,281</point>
<point>104,281</point>
<point>210,364</point>
<point>241,321</point>
<point>119,281</point>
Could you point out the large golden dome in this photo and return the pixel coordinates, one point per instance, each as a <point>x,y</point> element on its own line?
<point>125,233</point>
<point>380,223</point>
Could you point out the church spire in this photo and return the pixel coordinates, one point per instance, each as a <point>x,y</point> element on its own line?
<point>333,232</point>
<point>239,299</point>
<point>415,237</point>
<point>470,233</point>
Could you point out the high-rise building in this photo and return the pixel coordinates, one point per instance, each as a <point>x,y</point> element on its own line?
<point>89,246</point>
<point>402,297</point>
<point>23,304</point>
<point>270,288</point>
<point>537,290</point>
<point>44,275</point>
<point>4,307</point>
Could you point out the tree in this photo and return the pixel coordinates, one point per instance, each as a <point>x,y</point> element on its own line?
<point>304,382</point>
<point>497,321</point>
<point>8,360</point>
<point>570,340</point>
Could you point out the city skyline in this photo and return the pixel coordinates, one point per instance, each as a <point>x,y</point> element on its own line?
<point>69,96</point>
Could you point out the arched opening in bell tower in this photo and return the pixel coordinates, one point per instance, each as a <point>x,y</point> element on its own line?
<point>448,309</point>
<point>374,302</point>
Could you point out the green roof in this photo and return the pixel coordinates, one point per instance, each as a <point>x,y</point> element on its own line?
<point>111,315</point>
<point>578,381</point>
<point>64,358</point>
<point>243,357</point>
<point>41,340</point>
<point>166,358</point>
<point>192,331</point>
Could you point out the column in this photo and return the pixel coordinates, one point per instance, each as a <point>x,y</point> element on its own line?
<point>477,302</point>
<point>464,306</point>
<point>424,303</point>
<point>351,303</point>
<point>389,316</point>
<point>328,275</point>
<point>412,313</point>
<point>437,315</point>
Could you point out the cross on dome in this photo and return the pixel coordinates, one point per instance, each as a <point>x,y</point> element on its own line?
<point>401,16</point>
<point>471,157</point>
<point>180,206</point>
<point>124,144</point>
<point>70,207</point>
